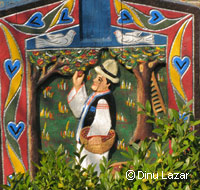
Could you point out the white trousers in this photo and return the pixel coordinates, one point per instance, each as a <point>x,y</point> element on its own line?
<point>92,158</point>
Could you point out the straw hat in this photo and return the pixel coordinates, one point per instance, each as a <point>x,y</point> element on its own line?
<point>108,69</point>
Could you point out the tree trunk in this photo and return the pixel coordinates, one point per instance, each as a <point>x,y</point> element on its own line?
<point>143,129</point>
<point>35,80</point>
<point>34,133</point>
<point>33,122</point>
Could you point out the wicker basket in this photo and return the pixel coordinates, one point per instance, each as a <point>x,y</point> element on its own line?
<point>105,144</point>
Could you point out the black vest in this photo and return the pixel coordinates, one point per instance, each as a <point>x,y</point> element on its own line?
<point>89,118</point>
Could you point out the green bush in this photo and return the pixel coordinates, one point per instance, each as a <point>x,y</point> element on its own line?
<point>177,128</point>
<point>153,173</point>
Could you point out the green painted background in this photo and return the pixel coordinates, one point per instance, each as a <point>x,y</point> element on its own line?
<point>53,123</point>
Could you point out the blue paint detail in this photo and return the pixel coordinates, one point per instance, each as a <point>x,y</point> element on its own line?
<point>10,177</point>
<point>64,17</point>
<point>92,109</point>
<point>16,130</point>
<point>7,4</point>
<point>181,64</point>
<point>160,39</point>
<point>36,20</point>
<point>125,17</point>
<point>11,68</point>
<point>111,42</point>
<point>95,19</point>
<point>156,17</point>
<point>183,116</point>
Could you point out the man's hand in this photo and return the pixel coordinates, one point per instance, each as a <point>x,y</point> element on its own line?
<point>77,80</point>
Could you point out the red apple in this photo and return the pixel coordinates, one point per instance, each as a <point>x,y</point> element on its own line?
<point>40,61</point>
<point>53,59</point>
<point>36,53</point>
<point>66,68</point>
<point>93,61</point>
<point>80,73</point>
<point>77,64</point>
<point>67,52</point>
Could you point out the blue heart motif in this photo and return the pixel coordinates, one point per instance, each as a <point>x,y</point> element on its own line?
<point>64,17</point>
<point>11,68</point>
<point>156,17</point>
<point>16,130</point>
<point>36,20</point>
<point>125,18</point>
<point>181,64</point>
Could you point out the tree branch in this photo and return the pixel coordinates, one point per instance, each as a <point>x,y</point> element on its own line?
<point>137,72</point>
<point>35,73</point>
<point>53,70</point>
<point>44,70</point>
<point>153,64</point>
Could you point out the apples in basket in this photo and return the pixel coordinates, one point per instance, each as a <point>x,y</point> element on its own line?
<point>97,144</point>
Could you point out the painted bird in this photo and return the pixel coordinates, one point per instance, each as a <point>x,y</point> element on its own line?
<point>56,40</point>
<point>134,37</point>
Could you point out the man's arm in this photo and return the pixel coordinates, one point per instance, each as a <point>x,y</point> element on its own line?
<point>77,96</point>
<point>77,80</point>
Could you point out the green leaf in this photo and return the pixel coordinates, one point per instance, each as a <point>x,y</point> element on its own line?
<point>158,147</point>
<point>191,136</point>
<point>159,122</point>
<point>185,126</point>
<point>77,154</point>
<point>136,146</point>
<point>125,155</point>
<point>178,164</point>
<point>187,187</point>
<point>184,148</point>
<point>102,168</point>
<point>150,121</point>
<point>187,163</point>
<point>41,152</point>
<point>180,103</point>
<point>174,145</point>
<point>195,123</point>
<point>140,112</point>
<point>148,106</point>
<point>140,105</point>
<point>5,186</point>
<point>180,130</point>
<point>173,114</point>
<point>131,151</point>
<point>36,165</point>
<point>170,160</point>
<point>144,186</point>
<point>189,103</point>
<point>82,158</point>
<point>158,131</point>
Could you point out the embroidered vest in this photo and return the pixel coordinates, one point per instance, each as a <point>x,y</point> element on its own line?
<point>92,110</point>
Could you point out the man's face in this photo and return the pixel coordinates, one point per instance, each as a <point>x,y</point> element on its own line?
<point>100,84</point>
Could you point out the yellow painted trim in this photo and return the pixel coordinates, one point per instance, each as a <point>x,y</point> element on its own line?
<point>176,51</point>
<point>16,162</point>
<point>69,4</point>
<point>120,6</point>
<point>15,55</point>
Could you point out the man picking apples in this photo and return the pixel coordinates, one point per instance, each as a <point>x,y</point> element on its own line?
<point>97,111</point>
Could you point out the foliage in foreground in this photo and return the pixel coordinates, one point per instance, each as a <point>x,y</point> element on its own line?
<point>54,173</point>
